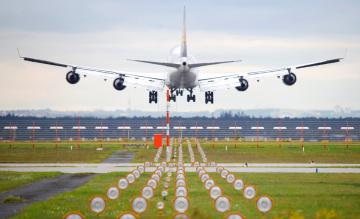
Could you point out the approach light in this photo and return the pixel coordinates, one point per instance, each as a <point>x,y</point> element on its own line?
<point>113,193</point>
<point>249,192</point>
<point>139,205</point>
<point>181,204</point>
<point>97,204</point>
<point>222,204</point>
<point>264,204</point>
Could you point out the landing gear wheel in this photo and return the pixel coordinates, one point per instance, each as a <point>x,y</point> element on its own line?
<point>209,97</point>
<point>153,96</point>
<point>191,97</point>
<point>181,92</point>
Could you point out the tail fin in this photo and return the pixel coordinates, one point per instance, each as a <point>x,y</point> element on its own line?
<point>183,37</point>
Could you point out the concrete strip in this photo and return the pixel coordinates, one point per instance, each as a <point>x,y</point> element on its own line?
<point>40,191</point>
<point>186,164</point>
<point>108,169</point>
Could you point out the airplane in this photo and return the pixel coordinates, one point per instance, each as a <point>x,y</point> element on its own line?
<point>184,74</point>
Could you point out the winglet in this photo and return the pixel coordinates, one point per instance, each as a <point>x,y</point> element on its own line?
<point>19,53</point>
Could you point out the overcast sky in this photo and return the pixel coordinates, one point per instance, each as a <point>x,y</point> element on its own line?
<point>103,34</point>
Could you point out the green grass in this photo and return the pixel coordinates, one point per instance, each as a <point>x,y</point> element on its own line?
<point>267,152</point>
<point>302,194</point>
<point>46,152</point>
<point>11,180</point>
<point>289,152</point>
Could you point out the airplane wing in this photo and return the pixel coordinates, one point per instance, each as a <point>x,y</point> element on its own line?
<point>232,80</point>
<point>130,79</point>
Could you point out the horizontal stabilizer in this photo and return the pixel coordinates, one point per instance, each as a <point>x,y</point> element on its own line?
<point>167,64</point>
<point>196,65</point>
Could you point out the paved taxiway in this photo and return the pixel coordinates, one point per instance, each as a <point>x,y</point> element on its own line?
<point>233,167</point>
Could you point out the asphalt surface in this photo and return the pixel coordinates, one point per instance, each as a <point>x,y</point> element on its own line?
<point>40,191</point>
<point>120,157</point>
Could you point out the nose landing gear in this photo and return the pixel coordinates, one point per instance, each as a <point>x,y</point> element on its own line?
<point>179,92</point>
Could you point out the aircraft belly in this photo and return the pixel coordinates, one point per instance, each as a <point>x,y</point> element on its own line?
<point>180,79</point>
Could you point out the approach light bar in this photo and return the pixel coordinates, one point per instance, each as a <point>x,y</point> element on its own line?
<point>33,127</point>
<point>213,127</point>
<point>123,127</point>
<point>347,128</point>
<point>302,128</point>
<point>279,127</point>
<point>78,127</point>
<point>235,127</point>
<point>257,127</point>
<point>324,128</point>
<point>56,127</point>
<point>196,127</point>
<point>146,127</point>
<point>11,127</point>
<point>101,127</point>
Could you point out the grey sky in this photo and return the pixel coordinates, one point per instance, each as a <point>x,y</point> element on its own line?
<point>104,33</point>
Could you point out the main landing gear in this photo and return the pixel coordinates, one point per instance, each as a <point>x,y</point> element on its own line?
<point>172,95</point>
<point>209,97</point>
<point>191,96</point>
<point>153,96</point>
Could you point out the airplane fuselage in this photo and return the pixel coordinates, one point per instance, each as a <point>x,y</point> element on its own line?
<point>182,78</point>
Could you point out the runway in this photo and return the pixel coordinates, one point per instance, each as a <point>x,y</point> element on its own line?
<point>235,167</point>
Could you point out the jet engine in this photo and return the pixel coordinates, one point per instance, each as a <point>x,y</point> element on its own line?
<point>119,83</point>
<point>244,84</point>
<point>289,79</point>
<point>72,77</point>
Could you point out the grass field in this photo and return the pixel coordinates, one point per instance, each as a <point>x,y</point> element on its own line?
<point>294,196</point>
<point>290,152</point>
<point>11,180</point>
<point>267,152</point>
<point>46,152</point>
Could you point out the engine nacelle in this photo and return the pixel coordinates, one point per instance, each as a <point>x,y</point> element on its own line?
<point>244,84</point>
<point>289,79</point>
<point>119,83</point>
<point>72,77</point>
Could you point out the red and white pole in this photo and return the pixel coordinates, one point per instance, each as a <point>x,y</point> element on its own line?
<point>167,119</point>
